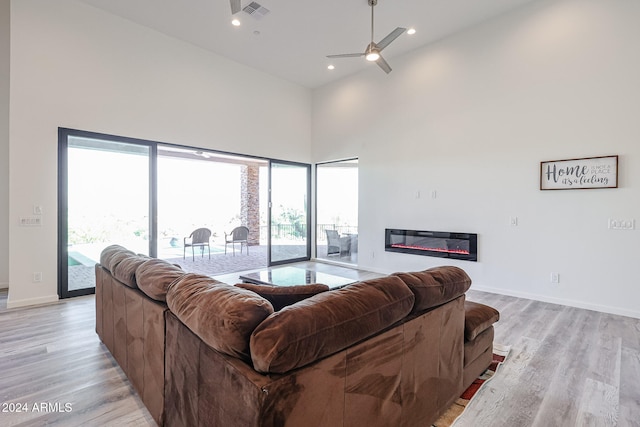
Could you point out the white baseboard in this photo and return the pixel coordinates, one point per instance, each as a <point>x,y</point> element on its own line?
<point>31,301</point>
<point>4,285</point>
<point>561,301</point>
<point>374,269</point>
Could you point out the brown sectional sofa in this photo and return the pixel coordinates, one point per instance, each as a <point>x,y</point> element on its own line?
<point>389,351</point>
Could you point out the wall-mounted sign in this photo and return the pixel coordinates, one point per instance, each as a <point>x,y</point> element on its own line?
<point>590,172</point>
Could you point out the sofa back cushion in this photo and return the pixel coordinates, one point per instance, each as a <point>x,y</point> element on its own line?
<point>155,276</point>
<point>282,296</point>
<point>327,323</point>
<point>223,316</point>
<point>436,286</point>
<point>121,263</point>
<point>108,253</point>
<point>125,270</point>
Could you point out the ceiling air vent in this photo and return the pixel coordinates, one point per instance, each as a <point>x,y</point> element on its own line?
<point>256,10</point>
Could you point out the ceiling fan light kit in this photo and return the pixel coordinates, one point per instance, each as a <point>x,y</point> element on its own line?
<point>372,56</point>
<point>373,51</point>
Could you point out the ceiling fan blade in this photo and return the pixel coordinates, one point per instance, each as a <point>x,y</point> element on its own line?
<point>383,64</point>
<point>235,6</point>
<point>346,55</point>
<point>391,37</point>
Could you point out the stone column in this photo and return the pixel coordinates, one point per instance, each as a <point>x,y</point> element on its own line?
<point>250,201</point>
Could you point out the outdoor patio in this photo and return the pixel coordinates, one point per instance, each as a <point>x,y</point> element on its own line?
<point>82,275</point>
<point>221,263</point>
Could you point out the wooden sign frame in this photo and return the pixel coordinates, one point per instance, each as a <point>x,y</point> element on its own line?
<point>579,174</point>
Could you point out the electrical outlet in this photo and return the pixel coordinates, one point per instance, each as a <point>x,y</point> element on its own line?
<point>30,221</point>
<point>555,277</point>
<point>622,224</point>
<point>513,221</point>
<point>37,277</point>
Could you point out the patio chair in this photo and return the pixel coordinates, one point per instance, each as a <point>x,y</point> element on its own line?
<point>337,245</point>
<point>199,238</point>
<point>237,235</point>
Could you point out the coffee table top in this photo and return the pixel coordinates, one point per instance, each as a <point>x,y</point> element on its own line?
<point>291,276</point>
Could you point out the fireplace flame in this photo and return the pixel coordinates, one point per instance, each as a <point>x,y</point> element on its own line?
<point>423,248</point>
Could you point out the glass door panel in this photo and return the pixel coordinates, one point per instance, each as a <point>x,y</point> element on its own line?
<point>107,189</point>
<point>289,216</point>
<point>219,192</point>
<point>337,211</point>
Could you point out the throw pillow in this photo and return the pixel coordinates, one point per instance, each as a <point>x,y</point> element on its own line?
<point>282,296</point>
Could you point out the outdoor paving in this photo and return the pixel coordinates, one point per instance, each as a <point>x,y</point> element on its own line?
<point>221,263</point>
<point>83,276</point>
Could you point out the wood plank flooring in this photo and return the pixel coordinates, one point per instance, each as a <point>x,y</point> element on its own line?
<point>55,371</point>
<point>567,367</point>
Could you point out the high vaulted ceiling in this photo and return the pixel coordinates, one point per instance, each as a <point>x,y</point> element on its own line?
<point>293,39</point>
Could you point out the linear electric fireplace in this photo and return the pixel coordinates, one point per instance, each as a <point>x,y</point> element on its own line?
<point>441,244</point>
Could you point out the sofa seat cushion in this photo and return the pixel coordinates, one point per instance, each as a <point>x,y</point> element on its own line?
<point>328,322</point>
<point>436,286</point>
<point>223,316</point>
<point>155,276</point>
<point>282,296</point>
<point>477,318</point>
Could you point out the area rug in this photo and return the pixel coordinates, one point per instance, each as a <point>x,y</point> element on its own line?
<point>449,418</point>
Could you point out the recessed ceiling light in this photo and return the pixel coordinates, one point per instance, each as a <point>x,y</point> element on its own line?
<point>331,67</point>
<point>411,31</point>
<point>235,22</point>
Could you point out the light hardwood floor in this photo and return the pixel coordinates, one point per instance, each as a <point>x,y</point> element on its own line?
<point>567,367</point>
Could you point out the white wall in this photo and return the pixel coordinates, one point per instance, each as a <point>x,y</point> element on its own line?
<point>78,67</point>
<point>471,117</point>
<point>4,142</point>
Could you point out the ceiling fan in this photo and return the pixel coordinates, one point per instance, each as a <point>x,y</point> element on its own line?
<point>372,52</point>
<point>235,6</point>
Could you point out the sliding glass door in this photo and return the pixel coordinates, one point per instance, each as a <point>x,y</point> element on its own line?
<point>337,211</point>
<point>107,188</point>
<point>289,238</point>
<point>149,197</point>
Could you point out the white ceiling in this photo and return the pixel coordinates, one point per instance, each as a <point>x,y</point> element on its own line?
<point>292,41</point>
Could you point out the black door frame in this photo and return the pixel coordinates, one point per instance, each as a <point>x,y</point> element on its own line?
<point>63,208</point>
<point>270,262</point>
<point>63,202</point>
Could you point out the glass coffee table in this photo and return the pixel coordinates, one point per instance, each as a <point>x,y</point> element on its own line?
<point>291,276</point>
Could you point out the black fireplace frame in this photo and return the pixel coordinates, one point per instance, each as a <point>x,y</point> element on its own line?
<point>471,238</point>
